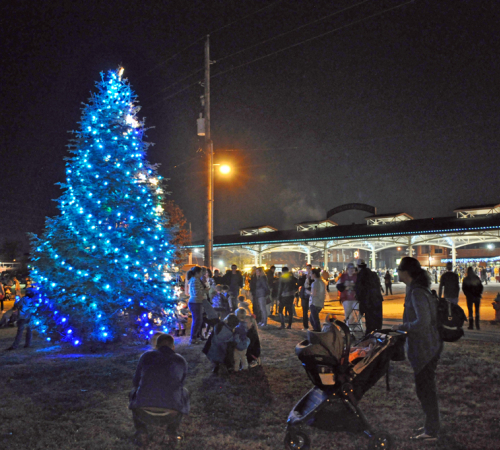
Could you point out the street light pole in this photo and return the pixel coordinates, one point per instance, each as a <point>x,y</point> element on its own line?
<point>209,152</point>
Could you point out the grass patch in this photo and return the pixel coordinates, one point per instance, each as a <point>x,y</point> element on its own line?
<point>62,399</point>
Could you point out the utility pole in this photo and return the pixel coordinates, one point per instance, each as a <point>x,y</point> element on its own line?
<point>209,154</point>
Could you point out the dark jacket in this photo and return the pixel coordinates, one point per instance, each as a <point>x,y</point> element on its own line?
<point>368,290</point>
<point>287,285</point>
<point>420,322</point>
<point>221,337</point>
<point>449,281</point>
<point>159,381</point>
<point>270,277</point>
<point>388,278</point>
<point>253,284</point>
<point>237,281</point>
<point>472,286</point>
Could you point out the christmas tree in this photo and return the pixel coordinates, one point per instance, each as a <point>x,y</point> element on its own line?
<point>101,268</point>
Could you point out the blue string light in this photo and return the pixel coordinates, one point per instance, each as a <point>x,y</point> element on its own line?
<point>110,206</point>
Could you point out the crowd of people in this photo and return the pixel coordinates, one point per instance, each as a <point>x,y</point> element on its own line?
<point>229,309</point>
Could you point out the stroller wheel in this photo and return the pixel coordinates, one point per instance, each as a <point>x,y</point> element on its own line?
<point>380,441</point>
<point>299,441</point>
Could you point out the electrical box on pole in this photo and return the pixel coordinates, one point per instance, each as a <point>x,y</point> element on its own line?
<point>200,122</point>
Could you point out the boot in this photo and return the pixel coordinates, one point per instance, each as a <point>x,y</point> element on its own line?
<point>471,323</point>
<point>183,332</point>
<point>477,323</point>
<point>282,318</point>
<point>176,334</point>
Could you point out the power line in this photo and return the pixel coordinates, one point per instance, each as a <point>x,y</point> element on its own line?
<point>173,56</point>
<point>287,48</point>
<point>252,46</point>
<point>246,17</point>
<point>291,31</point>
<point>313,38</point>
<point>177,82</point>
<point>202,38</point>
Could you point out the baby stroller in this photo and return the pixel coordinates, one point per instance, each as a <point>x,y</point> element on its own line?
<point>339,374</point>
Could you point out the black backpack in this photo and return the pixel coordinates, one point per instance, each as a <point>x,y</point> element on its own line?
<point>450,318</point>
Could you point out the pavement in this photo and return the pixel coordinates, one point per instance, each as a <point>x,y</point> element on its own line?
<point>394,305</point>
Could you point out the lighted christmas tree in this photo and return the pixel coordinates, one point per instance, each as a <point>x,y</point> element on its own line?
<point>101,268</point>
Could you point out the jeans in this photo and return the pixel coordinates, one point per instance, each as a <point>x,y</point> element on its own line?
<point>348,307</point>
<point>473,302</point>
<point>287,304</point>
<point>425,385</point>
<point>263,310</point>
<point>315,317</point>
<point>142,419</point>
<point>388,287</point>
<point>305,312</point>
<point>257,308</point>
<point>197,313</point>
<point>21,325</point>
<point>233,302</point>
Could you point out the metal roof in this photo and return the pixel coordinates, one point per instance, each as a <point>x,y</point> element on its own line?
<point>443,225</point>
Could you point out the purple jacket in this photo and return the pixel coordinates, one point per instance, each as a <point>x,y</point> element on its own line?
<point>159,381</point>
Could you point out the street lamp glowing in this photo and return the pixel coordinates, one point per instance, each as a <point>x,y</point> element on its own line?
<point>225,169</point>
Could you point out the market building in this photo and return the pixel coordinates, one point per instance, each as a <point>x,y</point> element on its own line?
<point>473,234</point>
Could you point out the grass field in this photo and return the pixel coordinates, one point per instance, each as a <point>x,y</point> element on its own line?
<point>54,398</point>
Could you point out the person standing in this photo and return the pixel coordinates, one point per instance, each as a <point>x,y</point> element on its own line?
<point>18,286</point>
<point>450,284</point>
<point>234,279</point>
<point>197,293</point>
<point>253,295</point>
<point>22,308</point>
<point>317,298</point>
<point>484,277</point>
<point>346,286</point>
<point>270,274</point>
<point>326,276</point>
<point>159,397</point>
<point>368,292</point>
<point>286,294</point>
<point>473,290</point>
<point>262,293</point>
<point>388,283</point>
<point>424,343</point>
<point>304,283</point>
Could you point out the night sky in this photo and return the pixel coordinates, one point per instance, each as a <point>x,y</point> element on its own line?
<point>399,111</point>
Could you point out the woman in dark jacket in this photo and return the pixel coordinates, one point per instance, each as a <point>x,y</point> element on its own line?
<point>473,290</point>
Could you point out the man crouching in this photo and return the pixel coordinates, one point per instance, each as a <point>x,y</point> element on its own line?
<point>159,399</point>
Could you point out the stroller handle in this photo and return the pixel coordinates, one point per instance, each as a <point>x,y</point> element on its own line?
<point>389,331</point>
